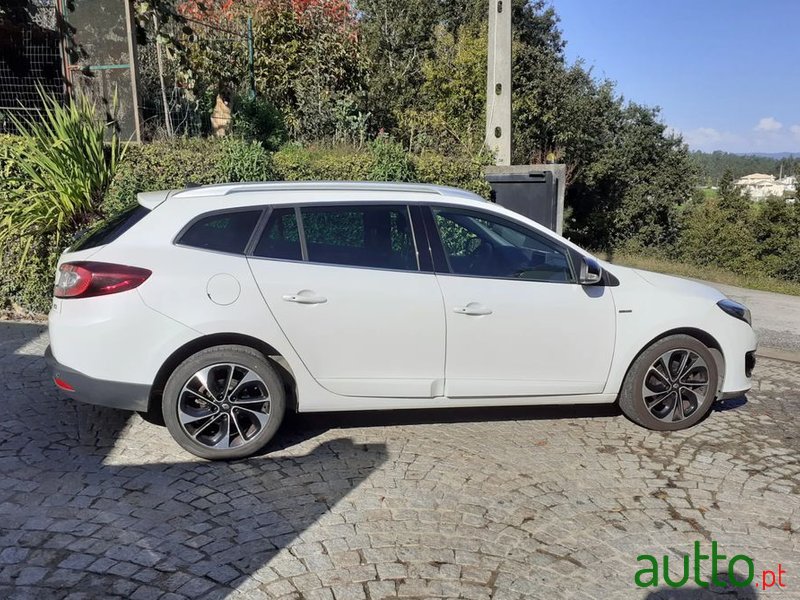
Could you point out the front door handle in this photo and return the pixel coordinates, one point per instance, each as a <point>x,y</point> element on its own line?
<point>305,297</point>
<point>473,309</point>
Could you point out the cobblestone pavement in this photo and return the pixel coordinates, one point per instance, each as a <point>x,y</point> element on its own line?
<point>522,503</point>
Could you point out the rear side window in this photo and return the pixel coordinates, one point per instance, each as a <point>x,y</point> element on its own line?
<point>377,236</point>
<point>110,229</point>
<point>223,232</point>
<point>281,237</point>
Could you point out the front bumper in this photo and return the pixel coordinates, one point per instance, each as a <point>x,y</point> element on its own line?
<point>114,394</point>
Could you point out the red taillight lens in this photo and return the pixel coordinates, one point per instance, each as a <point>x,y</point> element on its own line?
<point>88,279</point>
<point>63,384</point>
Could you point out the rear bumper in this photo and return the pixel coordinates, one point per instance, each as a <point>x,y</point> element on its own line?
<point>114,394</point>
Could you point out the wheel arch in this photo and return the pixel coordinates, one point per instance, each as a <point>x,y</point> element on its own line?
<point>219,339</point>
<point>702,336</point>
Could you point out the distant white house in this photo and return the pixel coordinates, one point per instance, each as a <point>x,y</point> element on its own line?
<point>761,185</point>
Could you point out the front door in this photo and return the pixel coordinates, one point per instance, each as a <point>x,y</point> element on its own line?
<point>517,323</point>
<point>343,282</point>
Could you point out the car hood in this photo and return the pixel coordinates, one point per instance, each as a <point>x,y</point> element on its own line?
<point>665,283</point>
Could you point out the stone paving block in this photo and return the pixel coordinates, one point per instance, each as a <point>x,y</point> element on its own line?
<point>501,504</point>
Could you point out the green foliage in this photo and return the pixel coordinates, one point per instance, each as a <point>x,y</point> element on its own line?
<point>630,194</point>
<point>28,289</point>
<point>66,166</point>
<point>776,227</point>
<point>447,115</point>
<point>396,39</point>
<point>258,120</point>
<point>713,165</point>
<point>164,165</point>
<point>173,164</point>
<point>390,161</point>
<point>295,162</point>
<point>306,61</point>
<point>462,172</point>
<point>244,161</point>
<point>12,177</point>
<point>717,232</point>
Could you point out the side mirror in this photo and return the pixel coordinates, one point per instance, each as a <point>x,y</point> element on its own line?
<point>591,271</point>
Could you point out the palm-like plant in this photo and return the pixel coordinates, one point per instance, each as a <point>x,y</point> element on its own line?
<point>67,166</point>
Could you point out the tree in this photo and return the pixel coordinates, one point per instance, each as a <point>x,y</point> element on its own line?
<point>306,55</point>
<point>718,232</point>
<point>398,37</point>
<point>449,110</point>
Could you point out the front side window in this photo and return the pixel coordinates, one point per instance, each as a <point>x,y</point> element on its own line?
<point>377,236</point>
<point>486,245</point>
<point>224,232</point>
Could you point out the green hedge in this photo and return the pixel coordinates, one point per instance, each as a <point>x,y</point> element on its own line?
<point>298,163</point>
<point>444,170</point>
<point>344,163</point>
<point>176,163</point>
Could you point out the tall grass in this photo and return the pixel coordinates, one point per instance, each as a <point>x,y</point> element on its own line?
<point>66,166</point>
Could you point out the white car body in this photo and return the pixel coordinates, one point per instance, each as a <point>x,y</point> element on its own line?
<point>383,338</point>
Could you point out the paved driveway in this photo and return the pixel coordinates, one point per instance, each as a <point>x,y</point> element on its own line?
<point>523,503</point>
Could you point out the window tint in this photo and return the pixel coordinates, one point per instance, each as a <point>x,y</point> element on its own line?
<point>225,232</point>
<point>489,246</point>
<point>365,236</point>
<point>281,238</point>
<point>110,229</point>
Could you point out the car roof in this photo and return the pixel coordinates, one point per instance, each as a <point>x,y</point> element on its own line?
<point>152,199</point>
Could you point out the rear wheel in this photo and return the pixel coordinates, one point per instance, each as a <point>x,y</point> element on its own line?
<point>224,402</point>
<point>671,385</point>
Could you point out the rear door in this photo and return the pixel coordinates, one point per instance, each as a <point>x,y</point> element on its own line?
<point>344,283</point>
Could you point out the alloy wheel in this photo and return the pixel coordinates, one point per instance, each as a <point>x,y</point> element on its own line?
<point>224,406</point>
<point>676,385</point>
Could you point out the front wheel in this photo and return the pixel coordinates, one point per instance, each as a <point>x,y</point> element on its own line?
<point>671,385</point>
<point>224,402</point>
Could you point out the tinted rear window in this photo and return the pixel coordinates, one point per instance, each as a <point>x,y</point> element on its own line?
<point>224,232</point>
<point>110,229</point>
<point>281,238</point>
<point>377,236</point>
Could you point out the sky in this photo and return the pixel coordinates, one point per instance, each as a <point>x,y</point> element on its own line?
<point>726,73</point>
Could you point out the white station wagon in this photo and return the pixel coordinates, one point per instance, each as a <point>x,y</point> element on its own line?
<point>224,306</point>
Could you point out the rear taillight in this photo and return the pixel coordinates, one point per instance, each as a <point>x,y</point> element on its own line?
<point>88,279</point>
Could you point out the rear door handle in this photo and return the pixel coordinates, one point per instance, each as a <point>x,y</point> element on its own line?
<point>305,297</point>
<point>473,309</point>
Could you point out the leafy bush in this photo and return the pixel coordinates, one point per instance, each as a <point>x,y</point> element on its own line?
<point>66,165</point>
<point>28,290</point>
<point>12,177</point>
<point>294,162</point>
<point>172,164</point>
<point>464,172</point>
<point>258,120</point>
<point>390,161</point>
<point>244,161</point>
<point>719,231</point>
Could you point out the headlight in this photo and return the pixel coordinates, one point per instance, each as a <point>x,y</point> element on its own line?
<point>734,309</point>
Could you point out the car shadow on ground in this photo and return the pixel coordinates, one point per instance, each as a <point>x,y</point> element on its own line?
<point>84,511</point>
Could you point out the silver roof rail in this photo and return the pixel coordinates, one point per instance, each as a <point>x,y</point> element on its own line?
<point>270,186</point>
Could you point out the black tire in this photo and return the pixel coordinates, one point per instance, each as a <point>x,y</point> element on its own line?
<point>183,395</point>
<point>693,408</point>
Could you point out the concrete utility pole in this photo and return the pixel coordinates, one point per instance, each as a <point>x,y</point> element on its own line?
<point>498,82</point>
